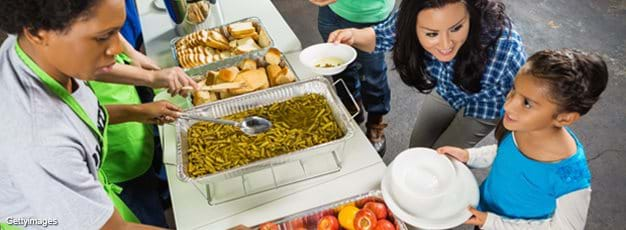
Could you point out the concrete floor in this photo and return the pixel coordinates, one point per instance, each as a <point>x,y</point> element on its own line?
<point>597,26</point>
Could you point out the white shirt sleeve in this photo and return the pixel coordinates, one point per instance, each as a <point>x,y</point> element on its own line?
<point>571,213</point>
<point>482,157</point>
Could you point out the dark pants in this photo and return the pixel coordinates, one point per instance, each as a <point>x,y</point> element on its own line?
<point>147,195</point>
<point>373,89</point>
<point>142,197</point>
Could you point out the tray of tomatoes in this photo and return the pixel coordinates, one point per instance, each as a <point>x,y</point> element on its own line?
<point>363,212</point>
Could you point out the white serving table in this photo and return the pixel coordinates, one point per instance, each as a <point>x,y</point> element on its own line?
<point>362,168</point>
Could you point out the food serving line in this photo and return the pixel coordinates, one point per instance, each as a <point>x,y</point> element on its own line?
<point>361,167</point>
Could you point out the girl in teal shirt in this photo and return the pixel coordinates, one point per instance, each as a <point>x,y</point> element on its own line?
<point>539,177</point>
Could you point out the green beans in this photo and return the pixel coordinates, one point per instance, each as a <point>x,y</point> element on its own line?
<point>297,123</point>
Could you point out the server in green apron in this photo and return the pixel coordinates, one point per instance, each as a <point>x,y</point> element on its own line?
<point>52,140</point>
<point>131,146</point>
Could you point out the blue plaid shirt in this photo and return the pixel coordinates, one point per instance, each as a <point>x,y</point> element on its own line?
<point>508,58</point>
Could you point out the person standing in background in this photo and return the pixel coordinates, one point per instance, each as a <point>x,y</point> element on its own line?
<point>367,76</point>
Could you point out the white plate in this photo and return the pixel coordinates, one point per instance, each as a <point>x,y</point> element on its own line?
<point>159,4</point>
<point>469,191</point>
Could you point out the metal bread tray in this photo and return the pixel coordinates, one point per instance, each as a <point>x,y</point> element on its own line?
<point>223,28</point>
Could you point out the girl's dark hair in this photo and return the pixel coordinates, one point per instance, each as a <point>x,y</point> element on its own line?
<point>487,22</point>
<point>35,15</point>
<point>574,79</point>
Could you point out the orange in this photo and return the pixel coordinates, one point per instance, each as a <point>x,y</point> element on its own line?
<point>346,217</point>
<point>337,209</point>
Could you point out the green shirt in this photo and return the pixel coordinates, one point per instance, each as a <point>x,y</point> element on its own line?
<point>131,144</point>
<point>363,11</point>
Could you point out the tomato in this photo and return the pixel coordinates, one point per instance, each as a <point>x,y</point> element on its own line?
<point>346,217</point>
<point>377,208</point>
<point>268,226</point>
<point>365,220</point>
<point>360,203</point>
<point>384,225</point>
<point>328,223</point>
<point>296,223</point>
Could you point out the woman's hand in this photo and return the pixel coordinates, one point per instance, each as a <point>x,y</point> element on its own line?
<point>158,112</point>
<point>174,79</point>
<point>363,39</point>
<point>345,36</point>
<point>458,153</point>
<point>478,218</point>
<point>322,2</point>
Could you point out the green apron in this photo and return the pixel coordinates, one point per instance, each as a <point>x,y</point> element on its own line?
<point>4,226</point>
<point>131,144</point>
<point>111,189</point>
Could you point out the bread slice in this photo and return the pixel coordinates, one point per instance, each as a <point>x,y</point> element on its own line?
<point>225,54</point>
<point>272,73</point>
<point>273,56</point>
<point>254,35</point>
<point>227,74</point>
<point>240,28</point>
<point>285,76</point>
<point>264,39</point>
<point>203,97</point>
<point>217,40</point>
<point>211,77</point>
<point>253,80</point>
<point>247,64</point>
<point>245,45</point>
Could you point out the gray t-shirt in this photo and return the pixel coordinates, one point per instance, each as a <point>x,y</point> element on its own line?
<point>49,158</point>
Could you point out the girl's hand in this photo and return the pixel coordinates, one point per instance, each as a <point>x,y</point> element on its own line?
<point>478,218</point>
<point>322,2</point>
<point>174,79</point>
<point>158,112</point>
<point>460,154</point>
<point>345,36</point>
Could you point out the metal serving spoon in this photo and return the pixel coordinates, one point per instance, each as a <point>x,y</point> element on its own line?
<point>250,125</point>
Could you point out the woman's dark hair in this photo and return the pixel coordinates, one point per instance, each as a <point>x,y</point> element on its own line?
<point>574,79</point>
<point>487,22</point>
<point>35,15</point>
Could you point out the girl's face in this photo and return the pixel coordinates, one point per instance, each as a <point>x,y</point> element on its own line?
<point>442,31</point>
<point>89,45</point>
<point>527,107</point>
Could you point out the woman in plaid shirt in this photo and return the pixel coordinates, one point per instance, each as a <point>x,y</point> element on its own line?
<point>466,50</point>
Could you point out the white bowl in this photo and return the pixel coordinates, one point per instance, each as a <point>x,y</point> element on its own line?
<point>312,56</point>
<point>452,211</point>
<point>420,179</point>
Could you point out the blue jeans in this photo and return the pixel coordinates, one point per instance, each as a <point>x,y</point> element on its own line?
<point>373,89</point>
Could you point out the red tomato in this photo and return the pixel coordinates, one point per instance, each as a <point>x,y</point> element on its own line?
<point>365,220</point>
<point>296,223</point>
<point>377,208</point>
<point>328,223</point>
<point>268,226</point>
<point>384,225</point>
<point>360,203</point>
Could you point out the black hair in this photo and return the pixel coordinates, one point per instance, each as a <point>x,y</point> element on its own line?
<point>487,22</point>
<point>35,15</point>
<point>575,79</point>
